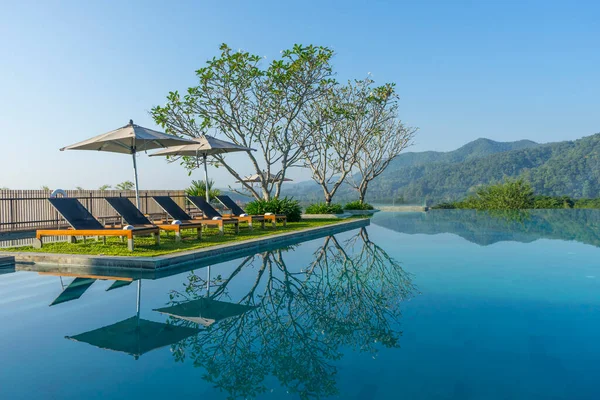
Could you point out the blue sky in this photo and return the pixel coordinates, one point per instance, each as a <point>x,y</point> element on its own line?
<point>504,70</point>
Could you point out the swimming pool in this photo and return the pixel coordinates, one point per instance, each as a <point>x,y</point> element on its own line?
<point>438,305</point>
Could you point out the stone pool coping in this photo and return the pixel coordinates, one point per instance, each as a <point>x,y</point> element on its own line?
<point>206,254</point>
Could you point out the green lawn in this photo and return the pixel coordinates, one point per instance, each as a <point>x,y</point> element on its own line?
<point>144,246</point>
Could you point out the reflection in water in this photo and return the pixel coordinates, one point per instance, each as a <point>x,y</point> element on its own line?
<point>81,283</point>
<point>134,336</point>
<point>294,323</point>
<point>488,228</point>
<point>204,311</point>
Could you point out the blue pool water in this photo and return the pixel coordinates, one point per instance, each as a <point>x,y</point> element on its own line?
<point>443,305</point>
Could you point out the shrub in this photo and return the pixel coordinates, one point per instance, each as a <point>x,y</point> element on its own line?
<point>324,208</point>
<point>444,206</point>
<point>357,205</point>
<point>198,188</point>
<point>587,203</point>
<point>508,195</point>
<point>552,202</point>
<point>512,194</point>
<point>289,207</point>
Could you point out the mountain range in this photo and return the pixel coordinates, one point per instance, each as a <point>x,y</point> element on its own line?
<point>570,168</point>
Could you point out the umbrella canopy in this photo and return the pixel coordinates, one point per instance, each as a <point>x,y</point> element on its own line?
<point>135,336</point>
<point>203,147</point>
<point>259,177</point>
<point>204,311</point>
<point>129,139</point>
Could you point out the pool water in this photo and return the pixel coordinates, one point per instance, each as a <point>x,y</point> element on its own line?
<point>442,305</point>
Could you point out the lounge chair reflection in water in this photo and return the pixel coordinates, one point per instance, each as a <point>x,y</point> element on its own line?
<point>84,224</point>
<point>81,283</point>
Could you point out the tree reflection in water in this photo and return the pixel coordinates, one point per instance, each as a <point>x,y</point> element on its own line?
<point>349,297</point>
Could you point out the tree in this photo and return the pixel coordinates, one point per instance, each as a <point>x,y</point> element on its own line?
<point>79,188</point>
<point>335,138</point>
<point>252,106</point>
<point>46,188</point>
<point>127,185</point>
<point>385,136</point>
<point>512,194</point>
<point>104,187</point>
<point>198,188</point>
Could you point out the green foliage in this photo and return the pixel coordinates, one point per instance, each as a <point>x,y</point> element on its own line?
<point>104,187</point>
<point>512,194</point>
<point>539,202</point>
<point>545,202</point>
<point>587,203</point>
<point>198,188</point>
<point>324,208</point>
<point>127,185</point>
<point>290,207</point>
<point>446,206</point>
<point>252,103</point>
<point>357,205</point>
<point>509,195</point>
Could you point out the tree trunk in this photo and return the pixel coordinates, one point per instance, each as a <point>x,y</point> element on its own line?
<point>362,191</point>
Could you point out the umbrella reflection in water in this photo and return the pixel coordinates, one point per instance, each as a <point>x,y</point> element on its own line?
<point>135,336</point>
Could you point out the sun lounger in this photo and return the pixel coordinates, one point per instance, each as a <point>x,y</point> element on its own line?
<point>133,216</point>
<point>237,210</point>
<point>178,214</point>
<point>210,213</point>
<point>84,224</point>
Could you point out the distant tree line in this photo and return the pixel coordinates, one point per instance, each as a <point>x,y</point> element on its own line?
<point>515,194</point>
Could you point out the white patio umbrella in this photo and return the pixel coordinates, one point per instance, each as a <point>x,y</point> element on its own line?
<point>129,139</point>
<point>259,178</point>
<point>203,147</point>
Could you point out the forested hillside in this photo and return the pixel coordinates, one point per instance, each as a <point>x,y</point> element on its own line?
<point>570,168</point>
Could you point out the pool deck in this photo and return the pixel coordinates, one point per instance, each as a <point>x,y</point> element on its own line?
<point>203,256</point>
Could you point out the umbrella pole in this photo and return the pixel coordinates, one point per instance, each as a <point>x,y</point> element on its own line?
<point>139,300</point>
<point>208,281</point>
<point>206,178</point>
<point>137,190</point>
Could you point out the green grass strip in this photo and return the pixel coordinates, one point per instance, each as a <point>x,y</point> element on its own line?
<point>145,246</point>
